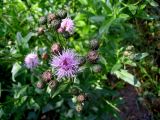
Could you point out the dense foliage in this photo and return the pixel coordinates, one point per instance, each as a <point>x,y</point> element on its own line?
<point>69,59</point>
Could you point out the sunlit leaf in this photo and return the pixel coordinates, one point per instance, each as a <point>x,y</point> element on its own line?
<point>16,67</point>
<point>127,77</point>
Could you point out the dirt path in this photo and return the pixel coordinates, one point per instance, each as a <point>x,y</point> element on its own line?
<point>131,109</point>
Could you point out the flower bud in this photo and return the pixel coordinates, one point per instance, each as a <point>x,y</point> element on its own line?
<point>130,48</point>
<point>56,48</point>
<point>51,17</point>
<point>53,84</point>
<point>61,14</point>
<point>92,56</point>
<point>55,24</point>
<point>97,68</point>
<point>81,98</point>
<point>79,108</point>
<point>43,20</point>
<point>126,53</point>
<point>47,76</point>
<point>40,84</point>
<point>94,44</point>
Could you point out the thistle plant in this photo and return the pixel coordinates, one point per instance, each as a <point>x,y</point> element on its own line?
<point>74,62</point>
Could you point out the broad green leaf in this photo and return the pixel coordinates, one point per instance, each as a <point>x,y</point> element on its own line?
<point>105,27</point>
<point>16,67</point>
<point>127,77</point>
<point>152,3</point>
<point>140,56</point>
<point>116,67</point>
<point>108,3</point>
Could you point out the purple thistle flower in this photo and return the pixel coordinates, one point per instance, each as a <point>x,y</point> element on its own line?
<point>66,64</point>
<point>67,25</point>
<point>31,60</point>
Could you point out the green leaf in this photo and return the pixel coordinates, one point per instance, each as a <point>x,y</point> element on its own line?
<point>108,4</point>
<point>28,37</point>
<point>140,56</point>
<point>152,3</point>
<point>103,60</point>
<point>19,38</point>
<point>116,67</point>
<point>80,23</point>
<point>83,2</point>
<point>97,19</point>
<point>127,77</point>
<point>58,90</point>
<point>132,8</point>
<point>47,108</point>
<point>105,27</point>
<point>21,92</point>
<point>124,16</point>
<point>1,112</point>
<point>16,67</point>
<point>23,42</point>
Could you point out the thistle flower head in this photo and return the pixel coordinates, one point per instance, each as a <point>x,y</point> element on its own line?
<point>65,64</point>
<point>31,60</point>
<point>67,25</point>
<point>47,76</point>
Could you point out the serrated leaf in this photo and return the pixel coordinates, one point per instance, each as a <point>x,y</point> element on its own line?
<point>16,67</point>
<point>127,77</point>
